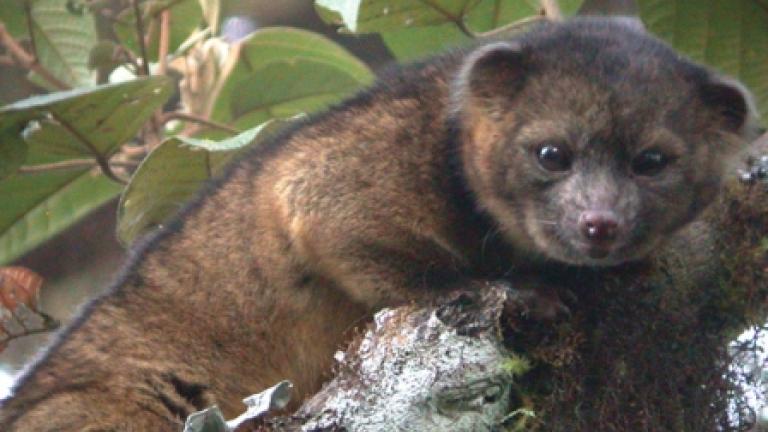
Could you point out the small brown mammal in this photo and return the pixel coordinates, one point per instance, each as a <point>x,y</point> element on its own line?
<point>585,143</point>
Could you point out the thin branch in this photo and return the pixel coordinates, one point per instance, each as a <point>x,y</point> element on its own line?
<point>101,161</point>
<point>140,38</point>
<point>125,55</point>
<point>70,164</point>
<point>175,115</point>
<point>513,26</point>
<point>26,60</point>
<point>165,36</point>
<point>552,10</point>
<point>30,28</point>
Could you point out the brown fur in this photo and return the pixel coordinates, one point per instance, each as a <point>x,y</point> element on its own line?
<point>423,181</point>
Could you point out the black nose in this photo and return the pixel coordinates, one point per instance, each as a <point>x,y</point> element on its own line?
<point>599,226</point>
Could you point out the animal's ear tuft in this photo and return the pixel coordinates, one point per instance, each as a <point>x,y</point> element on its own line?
<point>732,101</point>
<point>496,69</point>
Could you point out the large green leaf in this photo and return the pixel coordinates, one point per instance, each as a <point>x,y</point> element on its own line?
<point>368,16</point>
<point>64,37</point>
<point>62,126</point>
<point>172,174</point>
<point>273,44</point>
<point>36,207</point>
<point>282,72</point>
<point>87,122</point>
<point>730,35</point>
<point>413,29</point>
<point>186,16</point>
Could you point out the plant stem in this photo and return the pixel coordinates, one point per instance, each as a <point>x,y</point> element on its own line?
<point>165,36</point>
<point>69,164</point>
<point>140,38</point>
<point>552,10</point>
<point>516,25</point>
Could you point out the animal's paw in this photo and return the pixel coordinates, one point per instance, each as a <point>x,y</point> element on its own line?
<point>540,303</point>
<point>756,171</point>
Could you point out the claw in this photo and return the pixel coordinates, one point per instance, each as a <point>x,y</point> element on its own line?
<point>757,171</point>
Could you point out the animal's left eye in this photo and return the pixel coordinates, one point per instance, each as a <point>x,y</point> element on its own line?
<point>650,162</point>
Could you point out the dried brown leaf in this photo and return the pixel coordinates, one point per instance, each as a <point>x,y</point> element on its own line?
<point>19,285</point>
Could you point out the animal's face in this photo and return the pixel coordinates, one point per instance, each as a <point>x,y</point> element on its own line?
<point>591,147</point>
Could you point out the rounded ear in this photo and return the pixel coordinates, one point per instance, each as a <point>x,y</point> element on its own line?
<point>732,101</point>
<point>493,70</point>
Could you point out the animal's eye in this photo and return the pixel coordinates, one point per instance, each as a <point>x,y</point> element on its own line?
<point>554,157</point>
<point>650,162</point>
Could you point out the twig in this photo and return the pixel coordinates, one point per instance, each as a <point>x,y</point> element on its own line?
<point>175,115</point>
<point>70,164</point>
<point>140,38</point>
<point>165,36</point>
<point>27,61</point>
<point>30,28</point>
<point>516,25</point>
<point>552,10</point>
<point>126,55</point>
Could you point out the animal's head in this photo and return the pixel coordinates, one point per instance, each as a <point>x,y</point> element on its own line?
<point>591,141</point>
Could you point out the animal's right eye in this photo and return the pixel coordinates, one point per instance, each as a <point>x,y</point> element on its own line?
<point>650,162</point>
<point>554,157</point>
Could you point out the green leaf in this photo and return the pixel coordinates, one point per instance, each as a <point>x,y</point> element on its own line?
<point>38,206</point>
<point>417,42</point>
<point>102,56</point>
<point>730,35</point>
<point>172,174</point>
<point>42,205</point>
<point>367,16</point>
<point>13,149</point>
<point>13,17</point>
<point>287,44</point>
<point>86,122</point>
<point>413,29</point>
<point>63,40</point>
<point>283,72</point>
<point>570,7</point>
<point>409,42</point>
<point>490,14</point>
<point>186,17</point>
